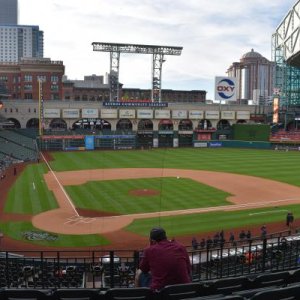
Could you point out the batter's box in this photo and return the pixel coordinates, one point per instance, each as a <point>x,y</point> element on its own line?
<point>78,219</point>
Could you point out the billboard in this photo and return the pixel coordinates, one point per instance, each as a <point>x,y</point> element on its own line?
<point>243,115</point>
<point>127,113</point>
<point>51,113</point>
<point>225,88</point>
<point>109,113</point>
<point>145,114</point>
<point>196,114</point>
<point>212,115</point>
<point>89,142</point>
<point>71,113</point>
<point>90,113</point>
<point>179,114</point>
<point>227,115</point>
<point>162,114</point>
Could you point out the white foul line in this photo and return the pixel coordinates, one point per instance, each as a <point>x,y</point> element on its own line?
<point>61,187</point>
<point>268,212</point>
<point>33,185</point>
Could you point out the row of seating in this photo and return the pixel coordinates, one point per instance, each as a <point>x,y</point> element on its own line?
<point>17,138</point>
<point>282,285</point>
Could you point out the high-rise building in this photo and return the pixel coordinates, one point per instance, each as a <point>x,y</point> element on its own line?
<point>20,41</point>
<point>254,75</point>
<point>8,12</point>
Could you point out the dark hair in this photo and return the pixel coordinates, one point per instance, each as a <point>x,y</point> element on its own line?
<point>158,234</point>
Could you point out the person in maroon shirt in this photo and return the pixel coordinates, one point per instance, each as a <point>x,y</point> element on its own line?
<point>167,261</point>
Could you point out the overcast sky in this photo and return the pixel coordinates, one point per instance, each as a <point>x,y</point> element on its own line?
<point>213,34</point>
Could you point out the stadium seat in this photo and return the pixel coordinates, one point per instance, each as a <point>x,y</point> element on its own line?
<point>128,294</point>
<point>182,291</point>
<point>271,279</point>
<point>289,293</point>
<point>24,294</point>
<point>227,286</point>
<point>69,294</point>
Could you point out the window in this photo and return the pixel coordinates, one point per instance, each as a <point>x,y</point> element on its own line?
<point>54,87</point>
<point>41,78</point>
<point>28,87</point>
<point>54,78</point>
<point>28,78</point>
<point>28,96</point>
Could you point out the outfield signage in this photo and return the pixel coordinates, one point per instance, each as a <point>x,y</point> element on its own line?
<point>200,145</point>
<point>109,113</point>
<point>162,114</point>
<point>179,114</point>
<point>145,114</point>
<point>127,113</point>
<point>50,113</point>
<point>90,113</point>
<point>228,115</point>
<point>89,142</point>
<point>62,137</point>
<point>212,115</point>
<point>136,104</point>
<point>225,88</point>
<point>196,114</point>
<point>70,113</point>
<point>243,115</point>
<point>215,144</point>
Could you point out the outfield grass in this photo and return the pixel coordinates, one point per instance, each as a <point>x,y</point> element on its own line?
<point>276,165</point>
<point>114,195</point>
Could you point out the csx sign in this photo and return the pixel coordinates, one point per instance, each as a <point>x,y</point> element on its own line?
<point>225,88</point>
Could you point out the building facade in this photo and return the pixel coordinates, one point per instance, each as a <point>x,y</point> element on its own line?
<point>254,74</point>
<point>21,80</point>
<point>19,41</point>
<point>9,12</point>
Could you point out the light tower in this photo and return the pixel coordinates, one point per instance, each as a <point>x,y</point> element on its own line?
<point>158,53</point>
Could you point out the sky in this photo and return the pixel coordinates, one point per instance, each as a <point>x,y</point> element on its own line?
<point>213,34</point>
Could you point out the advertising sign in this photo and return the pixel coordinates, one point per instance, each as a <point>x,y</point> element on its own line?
<point>89,141</point>
<point>196,114</point>
<point>109,113</point>
<point>90,113</point>
<point>212,115</point>
<point>228,115</point>
<point>145,114</point>
<point>179,114</point>
<point>127,113</point>
<point>225,88</point>
<point>243,115</point>
<point>71,113</point>
<point>162,114</point>
<point>51,113</point>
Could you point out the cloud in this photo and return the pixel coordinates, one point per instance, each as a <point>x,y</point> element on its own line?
<point>213,34</point>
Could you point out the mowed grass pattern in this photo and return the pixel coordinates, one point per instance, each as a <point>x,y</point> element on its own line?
<point>173,194</point>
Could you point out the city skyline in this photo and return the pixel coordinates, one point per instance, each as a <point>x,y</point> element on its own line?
<point>213,34</point>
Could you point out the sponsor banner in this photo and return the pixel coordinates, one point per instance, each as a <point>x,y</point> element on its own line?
<point>200,145</point>
<point>215,144</point>
<point>127,113</point>
<point>70,113</point>
<point>51,113</point>
<point>62,137</point>
<point>225,88</point>
<point>185,132</point>
<point>165,132</point>
<point>109,113</point>
<point>196,114</point>
<point>212,115</point>
<point>155,143</point>
<point>145,114</point>
<point>179,114</point>
<point>175,142</point>
<point>276,110</point>
<point>90,113</point>
<point>243,115</point>
<point>135,104</point>
<point>89,142</point>
<point>228,115</point>
<point>111,137</point>
<point>162,114</point>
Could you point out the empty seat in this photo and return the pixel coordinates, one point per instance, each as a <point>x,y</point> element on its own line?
<point>271,279</point>
<point>23,294</point>
<point>290,293</point>
<point>86,294</point>
<point>182,291</point>
<point>128,294</point>
<point>227,286</point>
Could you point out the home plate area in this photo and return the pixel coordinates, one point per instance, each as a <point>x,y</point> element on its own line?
<point>78,219</point>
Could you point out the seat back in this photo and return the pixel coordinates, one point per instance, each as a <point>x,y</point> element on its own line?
<point>142,293</point>
<point>290,293</point>
<point>181,291</point>
<point>23,294</point>
<point>271,279</point>
<point>227,286</point>
<point>86,294</point>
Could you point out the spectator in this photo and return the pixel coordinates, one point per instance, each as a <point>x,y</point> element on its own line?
<point>167,261</point>
<point>194,243</point>
<point>242,235</point>
<point>209,242</point>
<point>202,243</point>
<point>263,230</point>
<point>248,235</point>
<point>216,239</point>
<point>289,219</point>
<point>231,238</point>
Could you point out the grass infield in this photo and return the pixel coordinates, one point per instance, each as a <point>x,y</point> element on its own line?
<point>30,196</point>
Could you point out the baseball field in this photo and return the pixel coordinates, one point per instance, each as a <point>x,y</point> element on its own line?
<point>113,198</point>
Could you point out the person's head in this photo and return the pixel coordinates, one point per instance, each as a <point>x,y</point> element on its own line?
<point>157,234</point>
